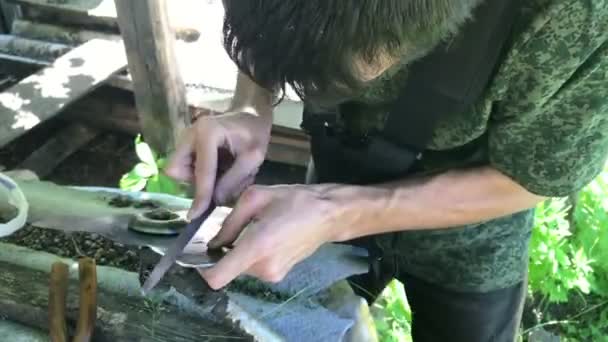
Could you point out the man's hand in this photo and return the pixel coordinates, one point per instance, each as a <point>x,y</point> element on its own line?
<point>272,228</point>
<point>221,155</point>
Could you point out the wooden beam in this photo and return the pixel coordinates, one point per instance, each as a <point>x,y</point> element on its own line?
<point>62,145</point>
<point>30,48</point>
<point>160,93</point>
<point>24,299</point>
<point>44,94</point>
<point>288,146</point>
<point>96,12</point>
<point>53,33</point>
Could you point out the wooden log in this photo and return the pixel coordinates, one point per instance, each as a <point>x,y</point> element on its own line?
<point>121,318</point>
<point>57,301</point>
<point>87,307</point>
<point>33,49</point>
<point>62,145</point>
<point>44,94</point>
<point>159,90</point>
<point>57,34</point>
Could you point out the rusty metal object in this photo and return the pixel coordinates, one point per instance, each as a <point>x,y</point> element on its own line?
<point>87,310</point>
<point>57,301</point>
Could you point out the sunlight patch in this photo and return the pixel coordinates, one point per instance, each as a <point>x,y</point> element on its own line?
<point>13,101</point>
<point>25,120</point>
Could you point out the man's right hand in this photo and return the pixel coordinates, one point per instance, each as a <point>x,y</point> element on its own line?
<point>221,155</point>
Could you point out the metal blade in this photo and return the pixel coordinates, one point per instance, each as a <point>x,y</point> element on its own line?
<point>169,258</point>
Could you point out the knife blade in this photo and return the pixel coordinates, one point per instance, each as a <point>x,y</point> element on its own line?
<point>169,258</point>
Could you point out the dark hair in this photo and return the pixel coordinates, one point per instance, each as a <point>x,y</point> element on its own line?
<point>311,44</point>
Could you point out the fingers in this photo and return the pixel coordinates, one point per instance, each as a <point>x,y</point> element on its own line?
<point>236,177</point>
<point>233,264</point>
<point>249,205</point>
<point>179,166</point>
<point>205,166</point>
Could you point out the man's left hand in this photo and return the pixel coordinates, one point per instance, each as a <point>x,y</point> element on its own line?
<point>272,228</point>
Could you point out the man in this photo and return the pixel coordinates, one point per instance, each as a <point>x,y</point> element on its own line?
<point>454,227</point>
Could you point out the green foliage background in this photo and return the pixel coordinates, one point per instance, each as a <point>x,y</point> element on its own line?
<point>568,279</point>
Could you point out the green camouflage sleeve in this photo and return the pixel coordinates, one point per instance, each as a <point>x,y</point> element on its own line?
<point>551,133</point>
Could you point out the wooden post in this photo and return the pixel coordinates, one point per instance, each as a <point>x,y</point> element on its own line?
<point>160,93</point>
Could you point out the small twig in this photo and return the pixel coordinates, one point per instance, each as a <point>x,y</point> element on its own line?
<point>76,248</point>
<point>57,301</point>
<point>589,309</point>
<point>87,311</point>
<point>570,320</point>
<point>538,326</point>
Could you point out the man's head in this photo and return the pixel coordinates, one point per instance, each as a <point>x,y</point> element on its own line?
<point>323,47</point>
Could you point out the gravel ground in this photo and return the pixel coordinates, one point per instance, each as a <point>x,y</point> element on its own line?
<point>74,245</point>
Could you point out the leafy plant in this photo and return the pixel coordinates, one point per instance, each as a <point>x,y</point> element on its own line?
<point>556,265</point>
<point>147,174</point>
<point>392,314</point>
<point>591,217</point>
<point>569,264</point>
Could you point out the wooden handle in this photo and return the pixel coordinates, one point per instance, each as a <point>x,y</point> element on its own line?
<point>57,300</point>
<point>87,311</point>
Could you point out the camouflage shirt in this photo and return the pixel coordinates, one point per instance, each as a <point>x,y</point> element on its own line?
<point>544,123</point>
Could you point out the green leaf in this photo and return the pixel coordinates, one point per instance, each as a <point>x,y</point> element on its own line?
<point>144,152</point>
<point>145,170</point>
<point>132,182</point>
<point>162,184</point>
<point>161,163</point>
<point>153,185</point>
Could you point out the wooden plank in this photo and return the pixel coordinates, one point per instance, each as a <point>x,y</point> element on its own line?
<point>93,8</point>
<point>68,35</point>
<point>44,94</point>
<point>62,145</point>
<point>30,48</point>
<point>24,299</point>
<point>99,13</point>
<point>160,93</point>
<point>288,146</point>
